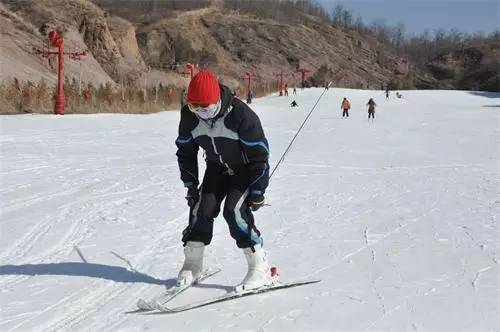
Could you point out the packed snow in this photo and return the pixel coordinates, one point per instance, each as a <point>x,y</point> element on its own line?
<point>397,217</point>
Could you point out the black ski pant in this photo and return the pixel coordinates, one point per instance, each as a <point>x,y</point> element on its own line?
<point>345,113</point>
<point>219,185</point>
<point>372,114</point>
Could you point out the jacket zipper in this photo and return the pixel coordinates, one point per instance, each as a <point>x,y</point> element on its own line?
<point>229,170</point>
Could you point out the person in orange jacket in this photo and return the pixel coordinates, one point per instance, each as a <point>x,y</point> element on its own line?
<point>346,106</point>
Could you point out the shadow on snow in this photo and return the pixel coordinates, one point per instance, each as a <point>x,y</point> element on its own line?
<point>115,273</point>
<point>485,94</point>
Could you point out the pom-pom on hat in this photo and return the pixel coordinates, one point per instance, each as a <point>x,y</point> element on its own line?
<point>203,89</point>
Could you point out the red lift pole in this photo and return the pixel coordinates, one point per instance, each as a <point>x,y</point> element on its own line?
<point>281,74</point>
<point>190,71</point>
<point>190,68</point>
<point>303,71</point>
<point>248,76</point>
<point>58,41</point>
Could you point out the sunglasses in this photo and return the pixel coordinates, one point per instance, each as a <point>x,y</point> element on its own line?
<point>202,108</point>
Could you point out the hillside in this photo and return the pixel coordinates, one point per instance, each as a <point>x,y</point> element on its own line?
<point>152,50</point>
<point>230,44</point>
<point>471,68</point>
<point>20,25</point>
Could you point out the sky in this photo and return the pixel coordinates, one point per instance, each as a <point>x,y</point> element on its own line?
<point>418,15</point>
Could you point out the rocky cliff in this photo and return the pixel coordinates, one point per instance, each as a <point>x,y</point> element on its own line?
<point>472,68</point>
<point>154,50</point>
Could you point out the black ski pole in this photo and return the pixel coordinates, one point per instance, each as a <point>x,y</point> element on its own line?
<point>298,131</point>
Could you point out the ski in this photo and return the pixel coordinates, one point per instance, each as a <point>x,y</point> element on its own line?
<point>162,307</point>
<point>148,305</point>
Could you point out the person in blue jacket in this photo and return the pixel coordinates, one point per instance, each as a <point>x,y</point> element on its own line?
<point>237,172</point>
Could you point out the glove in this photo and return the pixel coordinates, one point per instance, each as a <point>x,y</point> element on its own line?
<point>255,201</point>
<point>193,195</point>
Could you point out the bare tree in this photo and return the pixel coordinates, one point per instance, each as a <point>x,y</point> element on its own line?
<point>398,36</point>
<point>337,15</point>
<point>346,19</point>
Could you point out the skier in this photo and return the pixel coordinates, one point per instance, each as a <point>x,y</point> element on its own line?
<point>294,104</point>
<point>237,170</point>
<point>371,109</point>
<point>346,106</point>
<point>286,89</point>
<point>387,92</point>
<point>294,90</point>
<point>249,97</point>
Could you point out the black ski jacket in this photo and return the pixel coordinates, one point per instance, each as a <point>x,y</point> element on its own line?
<point>233,139</point>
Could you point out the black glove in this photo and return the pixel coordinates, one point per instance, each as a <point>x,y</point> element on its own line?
<point>193,195</point>
<point>255,201</point>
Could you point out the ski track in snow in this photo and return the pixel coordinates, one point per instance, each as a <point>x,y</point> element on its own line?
<point>91,298</point>
<point>400,223</point>
<point>77,233</point>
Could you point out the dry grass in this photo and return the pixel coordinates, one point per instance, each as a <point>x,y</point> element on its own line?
<point>27,97</point>
<point>17,98</point>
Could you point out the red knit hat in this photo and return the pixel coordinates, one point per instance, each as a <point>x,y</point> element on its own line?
<point>203,89</point>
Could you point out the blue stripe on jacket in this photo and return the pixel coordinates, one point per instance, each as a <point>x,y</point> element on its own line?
<point>263,172</point>
<point>183,141</point>
<point>259,143</point>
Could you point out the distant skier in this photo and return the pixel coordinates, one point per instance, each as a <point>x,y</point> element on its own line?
<point>249,97</point>
<point>346,106</point>
<point>371,109</point>
<point>286,89</point>
<point>399,95</point>
<point>294,104</point>
<point>237,170</point>
<point>294,90</point>
<point>387,92</point>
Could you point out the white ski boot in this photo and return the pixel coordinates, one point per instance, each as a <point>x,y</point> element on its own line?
<point>193,263</point>
<point>259,271</point>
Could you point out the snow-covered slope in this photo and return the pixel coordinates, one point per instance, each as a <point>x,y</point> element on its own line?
<point>398,218</point>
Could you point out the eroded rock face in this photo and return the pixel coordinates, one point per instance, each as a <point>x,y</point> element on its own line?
<point>100,42</point>
<point>68,16</point>
<point>22,29</point>
<point>473,68</point>
<point>157,47</point>
<point>232,44</point>
<point>123,33</point>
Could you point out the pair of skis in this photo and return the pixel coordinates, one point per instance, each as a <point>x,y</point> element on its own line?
<point>162,299</point>
<point>160,303</point>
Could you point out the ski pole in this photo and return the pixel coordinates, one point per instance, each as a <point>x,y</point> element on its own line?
<point>298,131</point>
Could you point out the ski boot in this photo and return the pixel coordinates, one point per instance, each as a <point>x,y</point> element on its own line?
<point>259,273</point>
<point>193,263</point>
